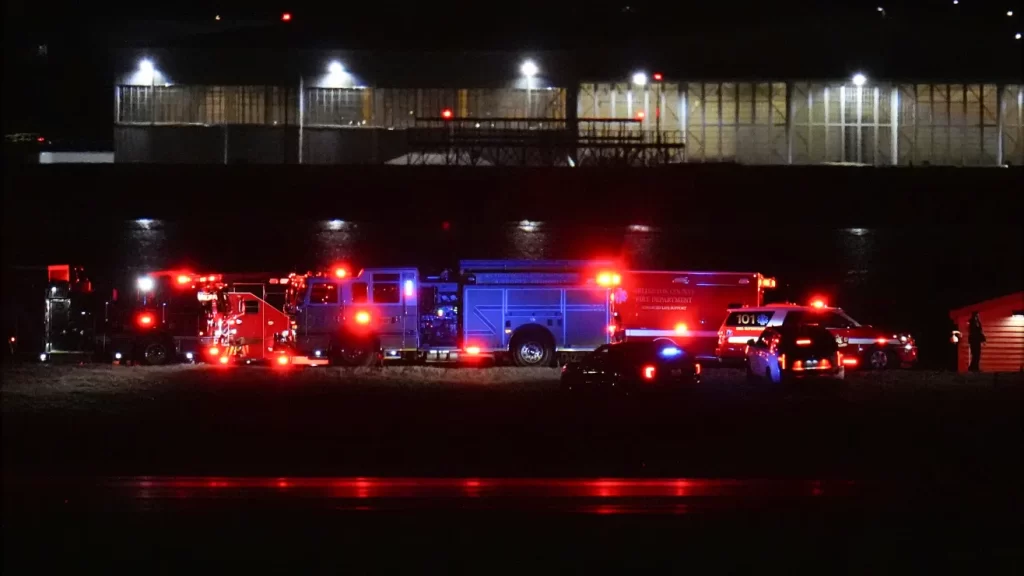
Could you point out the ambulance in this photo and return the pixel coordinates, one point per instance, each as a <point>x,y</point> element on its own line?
<point>682,307</point>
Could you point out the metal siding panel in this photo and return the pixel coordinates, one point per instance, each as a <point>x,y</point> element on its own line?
<point>483,317</point>
<point>586,318</point>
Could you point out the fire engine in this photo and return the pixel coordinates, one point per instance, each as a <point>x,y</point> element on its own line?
<point>862,346</point>
<point>162,318</point>
<point>532,313</point>
<point>683,307</point>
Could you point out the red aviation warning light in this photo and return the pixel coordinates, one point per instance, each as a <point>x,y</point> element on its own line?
<point>447,113</point>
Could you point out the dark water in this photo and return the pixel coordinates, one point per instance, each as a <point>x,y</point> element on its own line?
<point>904,278</point>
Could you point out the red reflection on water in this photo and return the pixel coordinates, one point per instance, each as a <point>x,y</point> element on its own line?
<point>621,494</point>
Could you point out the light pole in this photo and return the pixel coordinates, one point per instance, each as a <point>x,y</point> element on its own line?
<point>528,69</point>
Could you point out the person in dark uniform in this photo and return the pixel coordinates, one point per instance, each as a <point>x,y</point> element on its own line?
<point>975,338</point>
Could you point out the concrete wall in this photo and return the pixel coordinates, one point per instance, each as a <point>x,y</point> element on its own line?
<point>254,144</point>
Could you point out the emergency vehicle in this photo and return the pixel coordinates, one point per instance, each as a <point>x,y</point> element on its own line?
<point>152,324</point>
<point>684,307</point>
<point>162,318</point>
<point>861,346</point>
<point>532,313</point>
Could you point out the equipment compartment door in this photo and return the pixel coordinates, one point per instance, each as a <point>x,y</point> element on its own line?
<point>587,317</point>
<point>387,294</point>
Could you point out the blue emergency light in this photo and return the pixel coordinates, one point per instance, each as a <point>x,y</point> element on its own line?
<point>671,351</point>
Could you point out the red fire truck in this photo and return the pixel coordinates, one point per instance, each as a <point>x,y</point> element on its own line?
<point>532,313</point>
<point>685,307</point>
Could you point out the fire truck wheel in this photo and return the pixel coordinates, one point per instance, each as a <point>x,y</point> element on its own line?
<point>879,359</point>
<point>532,348</point>
<point>155,353</point>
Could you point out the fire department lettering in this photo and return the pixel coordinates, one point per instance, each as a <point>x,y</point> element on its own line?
<point>664,298</point>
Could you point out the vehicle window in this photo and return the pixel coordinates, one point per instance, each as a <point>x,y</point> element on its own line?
<point>750,319</point>
<point>386,293</point>
<point>359,293</point>
<point>323,293</point>
<point>251,306</point>
<point>386,277</point>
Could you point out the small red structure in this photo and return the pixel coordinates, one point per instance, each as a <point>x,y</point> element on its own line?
<point>1002,322</point>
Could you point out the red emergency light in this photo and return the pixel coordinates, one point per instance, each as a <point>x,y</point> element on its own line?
<point>144,320</point>
<point>657,76</point>
<point>649,372</point>
<point>362,317</point>
<point>447,114</point>
<point>608,279</point>
<point>473,350</point>
<point>340,272</point>
<point>818,303</point>
<point>286,17</point>
<point>184,279</point>
<point>640,115</point>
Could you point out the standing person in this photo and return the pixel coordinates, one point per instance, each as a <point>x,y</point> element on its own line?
<point>975,338</point>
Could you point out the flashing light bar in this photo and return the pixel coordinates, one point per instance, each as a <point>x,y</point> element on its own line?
<point>609,279</point>
<point>819,303</point>
<point>671,351</point>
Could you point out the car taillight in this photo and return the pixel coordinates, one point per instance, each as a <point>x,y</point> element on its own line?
<point>825,364</point>
<point>648,372</point>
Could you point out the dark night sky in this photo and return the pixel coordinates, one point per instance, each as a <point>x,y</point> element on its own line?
<point>65,89</point>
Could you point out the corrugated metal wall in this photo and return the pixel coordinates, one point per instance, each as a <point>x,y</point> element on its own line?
<point>811,123</point>
<point>1003,350</point>
<point>767,122</point>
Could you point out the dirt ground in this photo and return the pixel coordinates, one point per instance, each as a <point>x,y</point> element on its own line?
<point>500,421</point>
